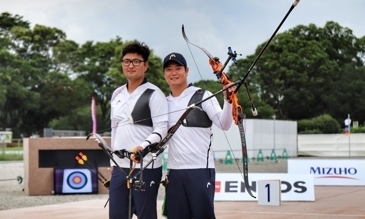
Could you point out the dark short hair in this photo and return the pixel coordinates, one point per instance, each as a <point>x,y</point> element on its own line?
<point>136,47</point>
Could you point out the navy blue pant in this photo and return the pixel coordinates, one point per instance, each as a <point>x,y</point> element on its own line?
<point>144,203</point>
<point>190,194</point>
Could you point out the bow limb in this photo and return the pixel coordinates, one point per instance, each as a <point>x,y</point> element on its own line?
<point>188,41</point>
<point>213,61</point>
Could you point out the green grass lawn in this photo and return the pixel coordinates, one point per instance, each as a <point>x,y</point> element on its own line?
<point>10,153</point>
<point>14,148</point>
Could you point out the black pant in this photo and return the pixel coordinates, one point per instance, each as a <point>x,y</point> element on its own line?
<point>190,194</point>
<point>144,203</point>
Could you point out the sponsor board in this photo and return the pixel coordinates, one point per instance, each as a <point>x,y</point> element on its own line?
<point>231,187</point>
<point>339,172</point>
<point>6,136</point>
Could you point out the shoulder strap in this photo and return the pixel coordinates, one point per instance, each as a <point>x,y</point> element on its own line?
<point>141,113</point>
<point>197,117</point>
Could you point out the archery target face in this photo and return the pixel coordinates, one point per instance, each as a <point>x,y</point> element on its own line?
<point>77,181</point>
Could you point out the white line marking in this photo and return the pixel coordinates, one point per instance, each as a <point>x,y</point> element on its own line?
<point>296,213</point>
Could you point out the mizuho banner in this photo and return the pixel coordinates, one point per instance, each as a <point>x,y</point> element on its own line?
<point>230,186</point>
<point>342,172</point>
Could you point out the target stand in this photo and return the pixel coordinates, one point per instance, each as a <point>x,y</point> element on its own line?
<point>75,181</point>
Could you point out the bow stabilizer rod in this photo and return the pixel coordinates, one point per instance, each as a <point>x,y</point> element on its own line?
<point>295,3</point>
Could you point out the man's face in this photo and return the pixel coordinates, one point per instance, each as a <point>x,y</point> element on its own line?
<point>175,74</point>
<point>134,67</point>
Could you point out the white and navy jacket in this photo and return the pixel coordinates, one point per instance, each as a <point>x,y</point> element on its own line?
<point>139,129</point>
<point>190,147</point>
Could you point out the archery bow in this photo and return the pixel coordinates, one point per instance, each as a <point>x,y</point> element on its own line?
<point>237,111</point>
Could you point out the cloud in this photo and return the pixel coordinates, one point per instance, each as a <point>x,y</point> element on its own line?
<point>214,25</point>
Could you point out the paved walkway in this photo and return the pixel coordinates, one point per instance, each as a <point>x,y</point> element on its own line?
<point>331,202</point>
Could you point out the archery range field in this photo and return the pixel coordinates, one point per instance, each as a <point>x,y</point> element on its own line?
<point>330,202</point>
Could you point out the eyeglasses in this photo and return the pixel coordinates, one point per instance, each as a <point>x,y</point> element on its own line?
<point>135,62</point>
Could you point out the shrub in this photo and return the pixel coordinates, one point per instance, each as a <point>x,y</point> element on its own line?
<point>360,129</point>
<point>323,124</point>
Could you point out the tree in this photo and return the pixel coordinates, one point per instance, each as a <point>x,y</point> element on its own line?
<point>295,73</point>
<point>15,97</point>
<point>347,94</point>
<point>7,22</point>
<point>95,61</point>
<point>33,63</point>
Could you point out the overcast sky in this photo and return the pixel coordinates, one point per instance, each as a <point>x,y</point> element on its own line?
<point>214,25</point>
